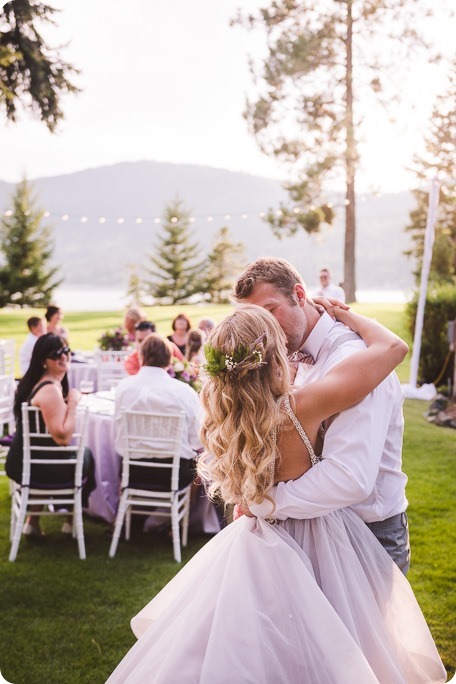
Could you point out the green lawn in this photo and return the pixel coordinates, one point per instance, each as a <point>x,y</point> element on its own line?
<point>66,621</point>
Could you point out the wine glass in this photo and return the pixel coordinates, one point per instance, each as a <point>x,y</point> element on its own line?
<point>86,386</point>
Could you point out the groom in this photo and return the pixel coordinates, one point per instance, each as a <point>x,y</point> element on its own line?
<point>362,461</point>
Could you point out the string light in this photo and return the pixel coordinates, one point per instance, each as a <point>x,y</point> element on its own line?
<point>193,219</point>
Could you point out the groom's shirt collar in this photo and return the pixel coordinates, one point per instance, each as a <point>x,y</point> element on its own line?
<point>318,334</point>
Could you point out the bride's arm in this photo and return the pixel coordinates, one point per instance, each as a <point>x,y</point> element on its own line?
<point>355,377</point>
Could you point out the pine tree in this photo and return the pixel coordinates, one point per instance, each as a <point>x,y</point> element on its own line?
<point>439,158</point>
<point>323,59</point>
<point>26,279</point>
<point>177,273</point>
<point>224,261</point>
<point>31,73</point>
<point>135,288</point>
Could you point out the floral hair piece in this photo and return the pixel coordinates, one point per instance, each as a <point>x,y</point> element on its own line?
<point>218,363</point>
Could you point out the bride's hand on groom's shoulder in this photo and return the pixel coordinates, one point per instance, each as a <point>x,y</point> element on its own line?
<point>323,304</point>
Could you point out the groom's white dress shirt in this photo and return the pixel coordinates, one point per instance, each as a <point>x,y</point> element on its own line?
<point>362,452</point>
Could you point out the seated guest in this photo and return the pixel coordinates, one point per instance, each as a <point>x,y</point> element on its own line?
<point>133,316</point>
<point>45,385</point>
<point>37,327</point>
<point>152,389</point>
<point>143,329</point>
<point>181,327</point>
<point>53,316</point>
<point>206,325</point>
<point>327,287</point>
<point>194,348</point>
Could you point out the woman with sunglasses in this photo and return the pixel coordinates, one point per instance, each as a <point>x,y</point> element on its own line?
<point>45,385</point>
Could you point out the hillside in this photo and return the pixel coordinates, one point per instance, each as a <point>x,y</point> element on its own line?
<point>93,254</point>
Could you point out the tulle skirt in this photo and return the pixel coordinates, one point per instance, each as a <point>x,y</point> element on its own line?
<point>302,602</point>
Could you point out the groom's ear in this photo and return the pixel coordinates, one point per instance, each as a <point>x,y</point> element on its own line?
<point>300,294</point>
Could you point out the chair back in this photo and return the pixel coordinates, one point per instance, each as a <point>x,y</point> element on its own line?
<point>110,367</point>
<point>152,435</point>
<point>36,445</point>
<point>7,357</point>
<point>7,391</point>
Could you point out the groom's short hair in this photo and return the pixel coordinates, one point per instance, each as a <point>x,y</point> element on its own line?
<point>277,272</point>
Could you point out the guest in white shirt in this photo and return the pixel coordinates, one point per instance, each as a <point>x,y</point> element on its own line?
<point>362,451</point>
<point>153,389</point>
<point>37,327</point>
<point>327,287</point>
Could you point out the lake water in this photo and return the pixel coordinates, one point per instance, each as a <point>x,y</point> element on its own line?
<point>81,298</point>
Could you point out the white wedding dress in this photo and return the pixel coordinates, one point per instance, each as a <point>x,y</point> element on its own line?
<point>301,602</point>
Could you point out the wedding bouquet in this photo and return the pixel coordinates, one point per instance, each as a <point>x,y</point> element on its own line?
<point>114,340</point>
<point>184,371</point>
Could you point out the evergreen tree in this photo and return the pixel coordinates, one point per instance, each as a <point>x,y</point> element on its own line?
<point>224,261</point>
<point>439,158</point>
<point>135,288</point>
<point>31,72</point>
<point>323,59</point>
<point>26,279</point>
<point>177,273</point>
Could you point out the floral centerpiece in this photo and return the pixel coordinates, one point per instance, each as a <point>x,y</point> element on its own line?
<point>184,371</point>
<point>114,340</point>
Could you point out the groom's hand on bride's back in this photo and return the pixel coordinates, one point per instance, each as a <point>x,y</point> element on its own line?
<point>239,511</point>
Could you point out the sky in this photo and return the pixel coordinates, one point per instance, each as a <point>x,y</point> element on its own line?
<point>167,81</point>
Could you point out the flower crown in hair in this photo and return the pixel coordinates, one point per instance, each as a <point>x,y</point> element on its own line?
<point>218,363</point>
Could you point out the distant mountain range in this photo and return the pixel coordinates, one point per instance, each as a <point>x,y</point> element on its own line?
<point>98,254</point>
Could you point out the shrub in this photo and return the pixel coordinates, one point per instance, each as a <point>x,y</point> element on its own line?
<point>440,308</point>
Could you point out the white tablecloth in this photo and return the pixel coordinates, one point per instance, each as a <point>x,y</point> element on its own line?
<point>104,501</point>
<point>82,371</point>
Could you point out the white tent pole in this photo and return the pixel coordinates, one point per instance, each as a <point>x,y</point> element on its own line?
<point>427,257</point>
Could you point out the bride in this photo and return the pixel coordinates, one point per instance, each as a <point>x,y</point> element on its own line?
<point>314,601</point>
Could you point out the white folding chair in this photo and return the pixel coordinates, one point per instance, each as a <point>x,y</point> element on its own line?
<point>7,357</point>
<point>110,368</point>
<point>7,390</point>
<point>155,436</point>
<point>29,495</point>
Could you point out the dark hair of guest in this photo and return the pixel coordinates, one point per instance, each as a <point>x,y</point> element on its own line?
<point>51,311</point>
<point>182,316</point>
<point>45,345</point>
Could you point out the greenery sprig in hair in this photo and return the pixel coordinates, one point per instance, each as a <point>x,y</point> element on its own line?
<point>218,363</point>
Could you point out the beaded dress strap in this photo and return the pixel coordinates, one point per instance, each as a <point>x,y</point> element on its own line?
<point>313,457</point>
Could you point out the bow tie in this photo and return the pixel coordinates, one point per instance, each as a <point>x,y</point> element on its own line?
<point>301,356</point>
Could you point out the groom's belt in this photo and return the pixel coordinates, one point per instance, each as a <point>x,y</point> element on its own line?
<point>398,519</point>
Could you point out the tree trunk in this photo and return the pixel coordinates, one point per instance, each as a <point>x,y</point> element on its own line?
<point>350,166</point>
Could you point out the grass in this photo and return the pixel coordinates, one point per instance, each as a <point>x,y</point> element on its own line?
<point>65,621</point>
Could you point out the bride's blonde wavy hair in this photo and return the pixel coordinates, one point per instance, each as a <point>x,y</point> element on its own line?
<point>241,410</point>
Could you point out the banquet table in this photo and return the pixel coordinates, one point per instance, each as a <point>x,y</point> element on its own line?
<point>104,500</point>
<point>82,369</point>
